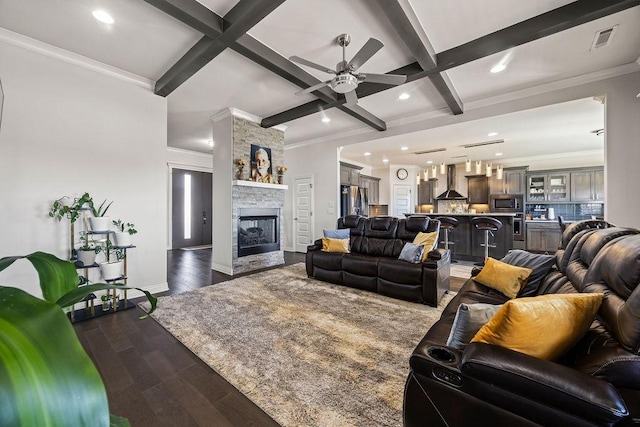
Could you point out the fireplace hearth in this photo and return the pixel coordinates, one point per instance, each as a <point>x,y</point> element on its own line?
<point>258,231</point>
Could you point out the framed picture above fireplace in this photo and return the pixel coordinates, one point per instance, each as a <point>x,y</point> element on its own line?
<point>261,169</point>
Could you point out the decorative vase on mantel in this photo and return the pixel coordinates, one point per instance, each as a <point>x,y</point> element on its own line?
<point>280,179</point>
<point>240,174</point>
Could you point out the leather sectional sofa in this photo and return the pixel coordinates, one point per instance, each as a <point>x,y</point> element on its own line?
<point>596,383</point>
<point>373,263</point>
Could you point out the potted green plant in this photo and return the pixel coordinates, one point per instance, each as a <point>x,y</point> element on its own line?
<point>99,221</point>
<point>60,209</point>
<point>88,250</point>
<point>106,302</point>
<point>111,268</point>
<point>47,378</point>
<point>124,231</point>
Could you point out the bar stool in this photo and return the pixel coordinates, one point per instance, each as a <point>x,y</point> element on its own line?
<point>488,225</point>
<point>447,223</point>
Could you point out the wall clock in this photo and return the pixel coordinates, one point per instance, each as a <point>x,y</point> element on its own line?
<point>402,173</point>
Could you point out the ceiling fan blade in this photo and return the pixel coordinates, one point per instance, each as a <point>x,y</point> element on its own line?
<point>351,97</point>
<point>368,50</point>
<point>314,87</point>
<point>312,64</point>
<point>389,79</point>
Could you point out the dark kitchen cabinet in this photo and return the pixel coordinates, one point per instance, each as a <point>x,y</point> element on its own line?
<point>513,181</point>
<point>543,236</point>
<point>478,189</point>
<point>426,191</point>
<point>587,186</point>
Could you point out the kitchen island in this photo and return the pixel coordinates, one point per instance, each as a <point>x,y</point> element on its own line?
<point>466,239</point>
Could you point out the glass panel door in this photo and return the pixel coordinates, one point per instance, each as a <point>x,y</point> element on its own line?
<point>558,187</point>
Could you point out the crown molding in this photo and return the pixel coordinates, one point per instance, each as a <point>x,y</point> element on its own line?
<point>229,112</point>
<point>69,57</point>
<point>191,152</point>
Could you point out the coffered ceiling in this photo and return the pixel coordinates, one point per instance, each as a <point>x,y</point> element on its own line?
<point>208,55</point>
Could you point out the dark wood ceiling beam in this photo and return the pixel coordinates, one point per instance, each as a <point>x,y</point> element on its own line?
<point>240,19</point>
<point>552,22</point>
<point>192,13</point>
<point>273,61</point>
<point>422,50</point>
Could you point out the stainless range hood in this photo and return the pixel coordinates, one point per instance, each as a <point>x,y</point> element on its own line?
<point>451,194</point>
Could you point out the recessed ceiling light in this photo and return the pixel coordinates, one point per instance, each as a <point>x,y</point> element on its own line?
<point>326,120</point>
<point>498,154</point>
<point>385,160</point>
<point>498,67</point>
<point>404,148</point>
<point>429,162</point>
<point>492,133</point>
<point>102,16</point>
<point>367,153</point>
<point>404,96</point>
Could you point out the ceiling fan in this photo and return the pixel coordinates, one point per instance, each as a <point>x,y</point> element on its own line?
<point>346,80</point>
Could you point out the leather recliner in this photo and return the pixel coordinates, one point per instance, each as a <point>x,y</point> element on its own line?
<point>373,264</point>
<point>596,383</point>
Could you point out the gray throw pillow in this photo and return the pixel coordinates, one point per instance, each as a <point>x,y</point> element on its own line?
<point>468,321</point>
<point>411,253</point>
<point>342,233</point>
<point>539,263</point>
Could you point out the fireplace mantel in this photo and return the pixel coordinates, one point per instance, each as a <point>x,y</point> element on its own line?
<point>260,184</point>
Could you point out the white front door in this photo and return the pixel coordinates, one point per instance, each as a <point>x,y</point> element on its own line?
<point>303,213</point>
<point>401,200</point>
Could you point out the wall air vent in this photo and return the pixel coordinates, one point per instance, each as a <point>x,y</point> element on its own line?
<point>603,38</point>
<point>435,150</point>
<point>482,144</point>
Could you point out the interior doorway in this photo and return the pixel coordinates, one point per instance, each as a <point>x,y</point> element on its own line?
<point>190,208</point>
<point>401,200</point>
<point>303,213</point>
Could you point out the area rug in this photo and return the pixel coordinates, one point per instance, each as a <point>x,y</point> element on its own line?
<point>307,352</point>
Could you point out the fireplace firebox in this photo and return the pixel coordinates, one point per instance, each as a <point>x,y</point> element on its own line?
<point>258,231</point>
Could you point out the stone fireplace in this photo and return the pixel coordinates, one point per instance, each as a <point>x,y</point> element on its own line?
<point>258,231</point>
<point>248,227</point>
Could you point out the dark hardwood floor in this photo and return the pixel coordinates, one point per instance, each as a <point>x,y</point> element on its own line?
<point>154,380</point>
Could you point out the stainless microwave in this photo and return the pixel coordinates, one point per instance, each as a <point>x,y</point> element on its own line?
<point>506,203</point>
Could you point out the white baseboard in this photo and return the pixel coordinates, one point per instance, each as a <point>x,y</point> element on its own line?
<point>154,289</point>
<point>222,268</point>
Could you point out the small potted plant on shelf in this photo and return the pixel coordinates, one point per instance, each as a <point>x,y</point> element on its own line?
<point>124,231</point>
<point>87,251</point>
<point>99,221</point>
<point>281,170</point>
<point>111,269</point>
<point>240,164</point>
<point>106,302</point>
<point>59,209</point>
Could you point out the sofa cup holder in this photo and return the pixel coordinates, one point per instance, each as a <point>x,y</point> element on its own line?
<point>442,354</point>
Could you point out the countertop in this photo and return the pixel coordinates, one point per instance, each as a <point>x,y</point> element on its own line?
<point>462,214</point>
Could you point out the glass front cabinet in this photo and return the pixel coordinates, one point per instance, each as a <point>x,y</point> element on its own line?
<point>549,187</point>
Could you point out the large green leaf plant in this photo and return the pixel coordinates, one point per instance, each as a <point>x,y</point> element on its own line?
<point>46,377</point>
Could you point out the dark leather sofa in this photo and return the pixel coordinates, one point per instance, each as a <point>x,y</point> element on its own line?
<point>597,383</point>
<point>373,263</point>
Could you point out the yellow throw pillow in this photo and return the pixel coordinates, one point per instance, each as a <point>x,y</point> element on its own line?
<point>545,326</point>
<point>503,277</point>
<point>335,245</point>
<point>428,240</point>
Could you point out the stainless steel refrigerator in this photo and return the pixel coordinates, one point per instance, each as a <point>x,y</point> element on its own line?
<point>353,200</point>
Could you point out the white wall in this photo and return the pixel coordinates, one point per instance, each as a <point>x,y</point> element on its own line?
<point>67,130</point>
<point>321,161</point>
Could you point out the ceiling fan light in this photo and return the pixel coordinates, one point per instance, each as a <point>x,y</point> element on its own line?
<point>467,165</point>
<point>344,83</point>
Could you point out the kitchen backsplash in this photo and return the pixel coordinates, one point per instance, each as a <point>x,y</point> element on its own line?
<point>570,212</point>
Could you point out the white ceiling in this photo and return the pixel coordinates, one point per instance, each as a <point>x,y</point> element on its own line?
<point>146,42</point>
